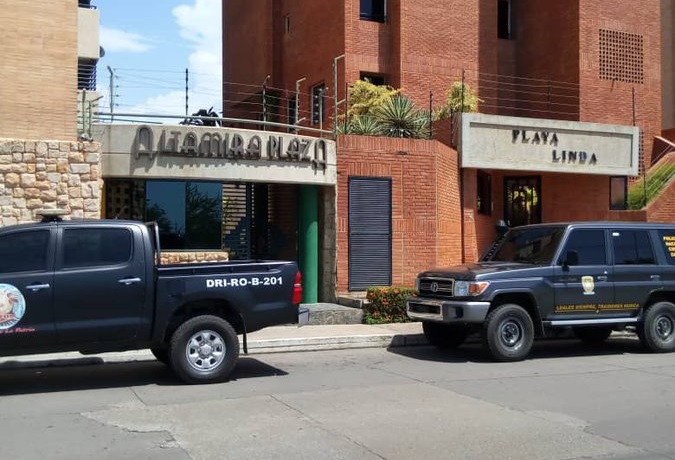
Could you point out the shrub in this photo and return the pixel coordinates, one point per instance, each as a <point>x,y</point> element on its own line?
<point>386,305</point>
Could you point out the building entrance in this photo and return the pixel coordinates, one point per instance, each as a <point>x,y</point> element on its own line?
<point>522,200</point>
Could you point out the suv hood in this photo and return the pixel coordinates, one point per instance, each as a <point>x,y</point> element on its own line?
<point>470,271</point>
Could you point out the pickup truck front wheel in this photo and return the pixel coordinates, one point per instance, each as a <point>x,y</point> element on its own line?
<point>508,333</point>
<point>204,349</point>
<point>657,329</point>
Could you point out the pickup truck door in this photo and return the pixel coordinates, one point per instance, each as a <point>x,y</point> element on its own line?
<point>100,283</point>
<point>26,288</point>
<point>582,277</point>
<point>636,269</point>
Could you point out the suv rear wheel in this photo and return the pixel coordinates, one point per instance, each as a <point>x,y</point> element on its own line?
<point>657,329</point>
<point>508,333</point>
<point>444,336</point>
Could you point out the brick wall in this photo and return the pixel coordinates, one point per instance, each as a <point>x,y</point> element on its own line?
<point>38,93</point>
<point>425,202</point>
<point>39,174</point>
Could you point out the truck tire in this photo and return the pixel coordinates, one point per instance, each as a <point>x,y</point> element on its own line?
<point>657,329</point>
<point>592,335</point>
<point>508,333</point>
<point>204,349</point>
<point>162,355</point>
<point>444,336</point>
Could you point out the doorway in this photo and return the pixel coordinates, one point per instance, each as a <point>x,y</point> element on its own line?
<point>522,200</point>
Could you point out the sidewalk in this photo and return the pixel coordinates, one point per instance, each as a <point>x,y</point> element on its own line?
<point>269,340</point>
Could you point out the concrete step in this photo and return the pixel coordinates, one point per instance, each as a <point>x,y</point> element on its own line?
<point>330,313</point>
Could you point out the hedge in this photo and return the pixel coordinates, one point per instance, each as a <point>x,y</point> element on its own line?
<point>386,304</point>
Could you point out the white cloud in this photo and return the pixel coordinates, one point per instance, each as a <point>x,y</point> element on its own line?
<point>117,40</point>
<point>200,26</point>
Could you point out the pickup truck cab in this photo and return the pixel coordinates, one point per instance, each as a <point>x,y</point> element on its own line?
<point>592,277</point>
<point>98,286</point>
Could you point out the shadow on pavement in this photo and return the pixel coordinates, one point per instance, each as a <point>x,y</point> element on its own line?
<point>93,373</point>
<point>472,351</point>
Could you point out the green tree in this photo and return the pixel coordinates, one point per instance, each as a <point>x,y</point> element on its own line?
<point>459,98</point>
<point>364,97</point>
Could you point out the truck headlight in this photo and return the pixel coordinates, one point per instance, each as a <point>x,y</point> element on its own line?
<point>469,288</point>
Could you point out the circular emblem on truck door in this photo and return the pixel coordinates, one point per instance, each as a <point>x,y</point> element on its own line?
<point>433,287</point>
<point>12,306</point>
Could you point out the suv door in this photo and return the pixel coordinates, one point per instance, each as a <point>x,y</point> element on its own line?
<point>100,284</point>
<point>26,289</point>
<point>582,276</point>
<point>636,270</point>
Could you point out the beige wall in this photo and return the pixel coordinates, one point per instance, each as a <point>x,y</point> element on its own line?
<point>668,62</point>
<point>38,46</point>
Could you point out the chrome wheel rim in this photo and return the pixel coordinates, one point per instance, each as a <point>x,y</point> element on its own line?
<point>663,326</point>
<point>511,333</point>
<point>205,351</point>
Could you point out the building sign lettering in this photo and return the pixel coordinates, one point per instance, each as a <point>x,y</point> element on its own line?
<point>551,138</point>
<point>231,146</point>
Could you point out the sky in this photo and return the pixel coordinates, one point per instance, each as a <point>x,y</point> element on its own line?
<point>149,44</point>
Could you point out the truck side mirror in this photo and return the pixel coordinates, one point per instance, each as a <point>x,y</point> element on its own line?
<point>571,259</point>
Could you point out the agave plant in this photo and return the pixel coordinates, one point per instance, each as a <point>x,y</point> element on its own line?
<point>398,117</point>
<point>364,125</point>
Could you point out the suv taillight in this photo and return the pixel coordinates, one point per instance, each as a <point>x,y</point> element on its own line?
<point>297,288</point>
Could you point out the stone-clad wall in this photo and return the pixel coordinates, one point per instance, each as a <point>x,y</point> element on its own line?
<point>185,257</point>
<point>49,174</point>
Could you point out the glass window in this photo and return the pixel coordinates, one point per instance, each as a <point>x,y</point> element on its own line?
<point>589,246</point>
<point>373,10</point>
<point>632,247</point>
<point>373,78</point>
<point>484,193</point>
<point>618,193</point>
<point>668,239</point>
<point>87,247</point>
<point>504,19</point>
<point>189,214</point>
<point>24,251</point>
<point>529,245</point>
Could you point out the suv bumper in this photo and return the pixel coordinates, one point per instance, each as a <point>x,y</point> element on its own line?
<point>447,311</point>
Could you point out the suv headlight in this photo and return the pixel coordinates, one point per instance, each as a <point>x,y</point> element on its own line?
<point>469,288</point>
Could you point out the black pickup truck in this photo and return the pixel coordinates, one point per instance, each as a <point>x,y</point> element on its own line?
<point>98,286</point>
<point>592,277</point>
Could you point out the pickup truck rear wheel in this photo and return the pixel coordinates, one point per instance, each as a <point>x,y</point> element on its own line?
<point>444,336</point>
<point>657,329</point>
<point>204,349</point>
<point>592,335</point>
<point>508,333</point>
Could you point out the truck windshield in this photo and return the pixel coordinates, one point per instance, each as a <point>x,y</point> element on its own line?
<point>535,245</point>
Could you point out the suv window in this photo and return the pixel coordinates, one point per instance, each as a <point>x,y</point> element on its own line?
<point>589,246</point>
<point>668,239</point>
<point>632,247</point>
<point>85,247</point>
<point>24,251</point>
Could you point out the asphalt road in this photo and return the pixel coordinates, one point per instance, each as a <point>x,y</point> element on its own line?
<point>567,402</point>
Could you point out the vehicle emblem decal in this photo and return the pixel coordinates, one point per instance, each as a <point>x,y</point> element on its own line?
<point>433,287</point>
<point>588,284</point>
<point>12,306</point>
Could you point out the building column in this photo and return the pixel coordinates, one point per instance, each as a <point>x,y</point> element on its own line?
<point>308,235</point>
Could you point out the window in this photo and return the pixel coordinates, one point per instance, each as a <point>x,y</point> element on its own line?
<point>373,78</point>
<point>291,113</point>
<point>632,247</point>
<point>589,246</point>
<point>484,193</point>
<point>86,74</point>
<point>24,251</point>
<point>504,19</point>
<point>668,239</point>
<point>529,245</point>
<point>618,193</point>
<point>189,214</point>
<point>621,56</point>
<point>319,104</point>
<point>87,247</point>
<point>373,10</point>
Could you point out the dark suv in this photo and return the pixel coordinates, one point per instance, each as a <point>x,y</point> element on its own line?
<point>593,277</point>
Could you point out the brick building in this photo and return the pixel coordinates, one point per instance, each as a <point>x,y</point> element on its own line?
<point>587,72</point>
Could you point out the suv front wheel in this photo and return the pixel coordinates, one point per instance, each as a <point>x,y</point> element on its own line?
<point>657,329</point>
<point>508,333</point>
